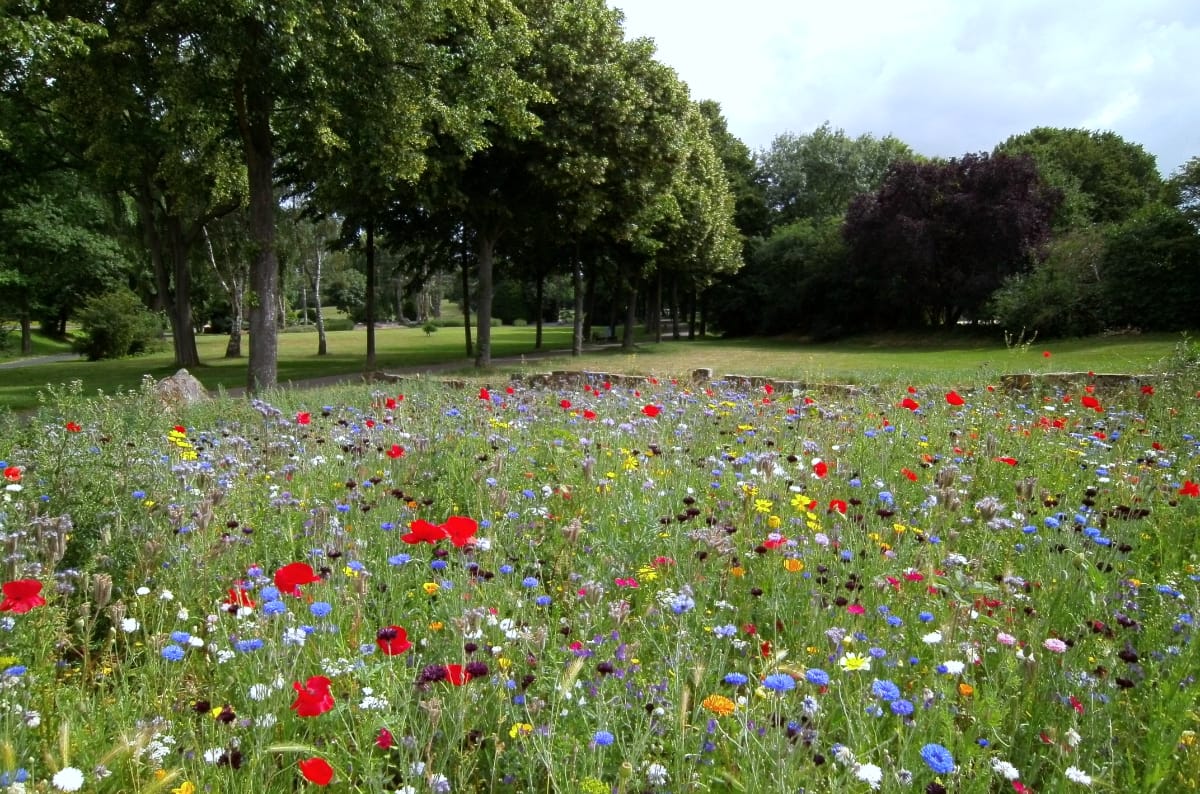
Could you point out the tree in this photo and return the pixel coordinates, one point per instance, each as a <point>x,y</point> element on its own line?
<point>933,243</point>
<point>1151,271</point>
<point>815,175</point>
<point>1103,177</point>
<point>1183,189</point>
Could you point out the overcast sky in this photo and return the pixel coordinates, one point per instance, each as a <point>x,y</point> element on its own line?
<point>945,76</point>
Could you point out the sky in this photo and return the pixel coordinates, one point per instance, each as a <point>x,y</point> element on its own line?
<point>947,77</point>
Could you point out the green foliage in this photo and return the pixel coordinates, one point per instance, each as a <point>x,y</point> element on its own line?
<point>794,283</point>
<point>116,324</point>
<point>509,303</point>
<point>1151,271</point>
<point>1062,294</point>
<point>1183,189</point>
<point>1104,178</point>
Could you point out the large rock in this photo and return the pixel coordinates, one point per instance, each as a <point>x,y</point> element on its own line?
<point>181,389</point>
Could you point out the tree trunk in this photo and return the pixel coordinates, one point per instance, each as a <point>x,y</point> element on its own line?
<point>589,298</point>
<point>692,313</point>
<point>485,249</point>
<point>370,308</point>
<point>540,294</point>
<point>182,330</point>
<point>466,302</point>
<point>322,342</point>
<point>631,297</point>
<point>400,318</point>
<point>577,291</point>
<point>658,307</point>
<point>675,308</point>
<point>26,333</point>
<point>254,119</point>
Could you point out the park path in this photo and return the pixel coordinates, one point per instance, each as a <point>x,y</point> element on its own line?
<point>33,361</point>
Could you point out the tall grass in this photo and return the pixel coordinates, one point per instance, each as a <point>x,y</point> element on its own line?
<point>642,588</point>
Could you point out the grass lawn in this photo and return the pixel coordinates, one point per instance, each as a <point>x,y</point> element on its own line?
<point>42,346</point>
<point>949,360</point>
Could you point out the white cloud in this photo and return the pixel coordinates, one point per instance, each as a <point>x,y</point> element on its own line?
<point>946,77</point>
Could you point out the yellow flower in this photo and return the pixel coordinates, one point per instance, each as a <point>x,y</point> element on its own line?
<point>648,573</point>
<point>185,787</point>
<point>800,502</point>
<point>630,464</point>
<point>763,505</point>
<point>792,565</point>
<point>437,625</point>
<point>520,729</point>
<point>853,662</point>
<point>430,588</point>
<point>719,705</point>
<point>737,571</point>
<point>774,522</point>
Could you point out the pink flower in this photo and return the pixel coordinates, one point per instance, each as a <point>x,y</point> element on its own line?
<point>1054,645</point>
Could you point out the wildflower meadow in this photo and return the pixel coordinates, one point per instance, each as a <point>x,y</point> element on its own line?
<point>656,587</point>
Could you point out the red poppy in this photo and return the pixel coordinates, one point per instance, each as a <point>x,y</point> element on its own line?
<point>73,428</point>
<point>289,578</point>
<point>12,473</point>
<point>1009,461</point>
<point>564,404</point>
<point>384,739</point>
<point>390,403</point>
<point>809,401</point>
<point>589,414</point>
<point>651,410</point>
<point>312,697</point>
<point>774,543</point>
<point>371,422</point>
<point>954,398</point>
<point>910,404</point>
<point>316,771</point>
<point>1045,354</point>
<point>607,385</point>
<point>22,595</point>
<point>392,640</point>
<point>1147,389</point>
<point>1189,489</point>
<point>303,418</point>
<point>422,531</point>
<point>909,473</point>
<point>1091,402</point>
<point>837,506</point>
<point>912,389</point>
<point>460,529</point>
<point>456,675</point>
<point>396,451</point>
<point>768,388</point>
<point>820,468</point>
<point>484,394</point>
<point>239,598</point>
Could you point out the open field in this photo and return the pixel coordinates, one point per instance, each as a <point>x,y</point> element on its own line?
<point>647,588</point>
<point>951,361</point>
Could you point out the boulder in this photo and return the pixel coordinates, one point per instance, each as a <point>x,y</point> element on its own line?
<point>181,389</point>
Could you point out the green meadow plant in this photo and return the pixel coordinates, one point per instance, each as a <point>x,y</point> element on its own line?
<point>658,587</point>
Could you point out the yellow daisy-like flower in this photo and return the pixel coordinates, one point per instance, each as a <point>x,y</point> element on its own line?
<point>800,502</point>
<point>648,573</point>
<point>774,522</point>
<point>719,705</point>
<point>430,588</point>
<point>520,729</point>
<point>186,787</point>
<point>763,505</point>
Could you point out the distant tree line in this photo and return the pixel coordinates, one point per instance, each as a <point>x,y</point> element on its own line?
<point>1056,231</point>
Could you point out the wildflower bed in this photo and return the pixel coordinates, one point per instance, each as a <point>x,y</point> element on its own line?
<point>649,588</point>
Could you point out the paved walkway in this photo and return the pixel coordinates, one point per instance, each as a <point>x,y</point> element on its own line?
<point>33,361</point>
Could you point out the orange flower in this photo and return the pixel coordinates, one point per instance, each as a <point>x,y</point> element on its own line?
<point>719,705</point>
<point>965,689</point>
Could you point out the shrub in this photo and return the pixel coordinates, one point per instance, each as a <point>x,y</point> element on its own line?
<point>115,324</point>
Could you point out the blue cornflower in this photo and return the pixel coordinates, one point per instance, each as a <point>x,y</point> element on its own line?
<point>529,581</point>
<point>138,494</point>
<point>925,617</point>
<point>399,559</point>
<point>180,637</point>
<point>817,676</point>
<point>172,653</point>
<point>779,682</point>
<point>275,607</point>
<point>268,593</point>
<point>735,679</point>
<point>438,565</point>
<point>15,671</point>
<point>603,738</point>
<point>901,708</point>
<point>728,630</point>
<point>506,568</point>
<point>885,690</point>
<point>387,526</point>
<point>246,646</point>
<point>938,758</point>
<point>320,609</point>
<point>895,621</point>
<point>543,601</point>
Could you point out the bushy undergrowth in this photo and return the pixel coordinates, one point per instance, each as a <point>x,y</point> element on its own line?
<point>116,324</point>
<point>652,589</point>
